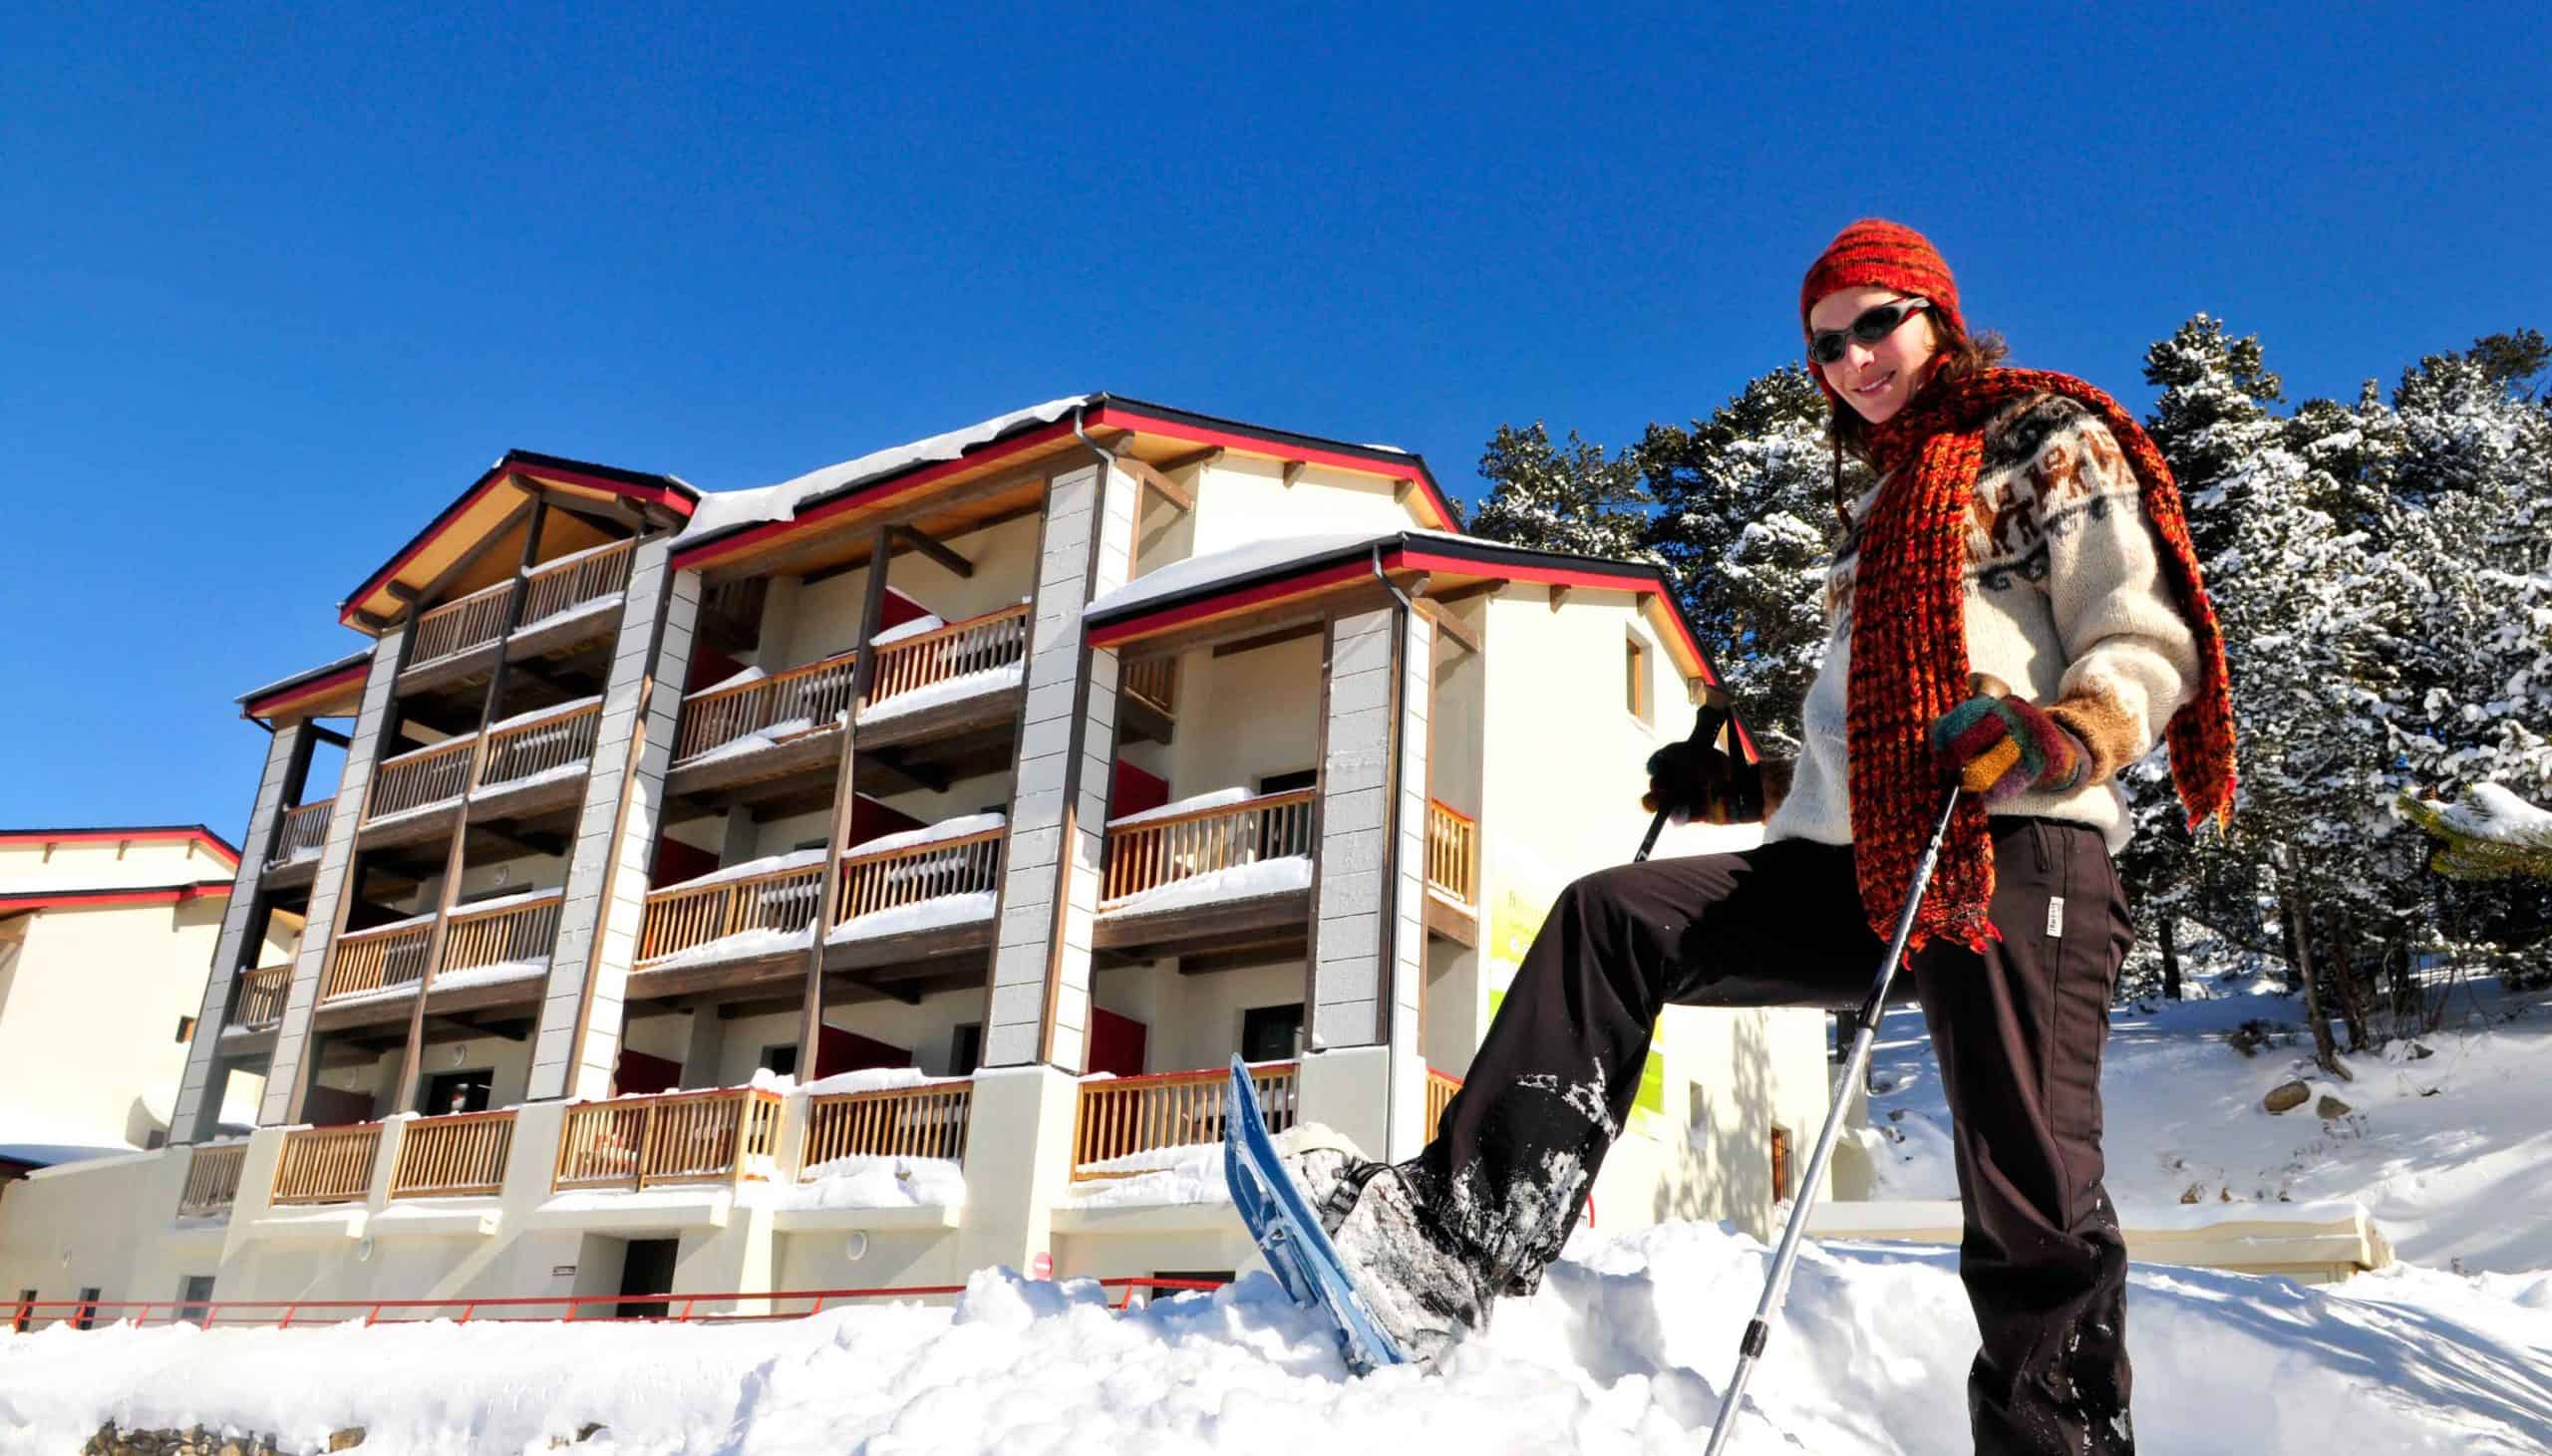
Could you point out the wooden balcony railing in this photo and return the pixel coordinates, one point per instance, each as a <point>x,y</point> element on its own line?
<point>927,1121</point>
<point>728,1137</point>
<point>959,865</point>
<point>1153,681</point>
<point>261,993</point>
<point>1440,1091</point>
<point>212,1180</point>
<point>521,930</point>
<point>993,640</point>
<point>1157,852</point>
<point>527,749</point>
<point>1452,852</point>
<point>450,1156</point>
<point>327,1164</point>
<point>461,624</point>
<point>686,916</point>
<point>422,776</point>
<point>301,832</point>
<point>1121,1116</point>
<point>809,696</point>
<point>368,960</point>
<point>395,954</point>
<point>570,582</point>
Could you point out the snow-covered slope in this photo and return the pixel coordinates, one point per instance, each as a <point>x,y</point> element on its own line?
<point>1622,1351</point>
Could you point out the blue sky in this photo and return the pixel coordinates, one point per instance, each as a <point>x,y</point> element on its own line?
<point>279,286</point>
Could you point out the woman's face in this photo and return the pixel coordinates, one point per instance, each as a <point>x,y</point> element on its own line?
<point>1875,379</point>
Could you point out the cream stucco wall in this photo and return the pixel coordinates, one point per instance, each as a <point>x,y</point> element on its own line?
<point>1193,1023</point>
<point>1245,716</point>
<point>1242,500</point>
<point>825,619</point>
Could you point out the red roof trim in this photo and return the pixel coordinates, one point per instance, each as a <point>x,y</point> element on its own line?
<point>1266,591</point>
<point>111,835</point>
<point>1414,471</point>
<point>1560,576</point>
<point>652,495</point>
<point>91,899</point>
<point>275,703</point>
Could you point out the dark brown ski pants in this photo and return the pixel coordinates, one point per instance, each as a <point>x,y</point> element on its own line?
<point>2017,1030</point>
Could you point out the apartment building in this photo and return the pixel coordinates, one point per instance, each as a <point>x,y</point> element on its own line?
<point>105,931</point>
<point>865,878</point>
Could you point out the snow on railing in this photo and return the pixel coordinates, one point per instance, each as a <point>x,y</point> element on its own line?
<point>996,639</point>
<point>327,1164</point>
<point>727,1136</point>
<point>881,880</point>
<point>463,1153</point>
<point>461,624</point>
<point>527,749</point>
<point>1145,853</point>
<point>1118,1117</point>
<point>515,928</point>
<point>925,1121</point>
<point>802,699</point>
<point>369,959</point>
<point>571,581</point>
<point>433,774</point>
<point>300,832</point>
<point>212,1180</point>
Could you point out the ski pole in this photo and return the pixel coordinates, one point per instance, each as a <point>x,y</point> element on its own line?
<point>1750,1348</point>
<point>1718,711</point>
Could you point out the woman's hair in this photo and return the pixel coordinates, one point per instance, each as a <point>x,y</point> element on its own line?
<point>1960,355</point>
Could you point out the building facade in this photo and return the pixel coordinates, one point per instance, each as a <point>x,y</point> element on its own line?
<point>865,879</point>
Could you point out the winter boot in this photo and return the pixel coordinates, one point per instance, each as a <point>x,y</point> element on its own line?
<point>1424,1291</point>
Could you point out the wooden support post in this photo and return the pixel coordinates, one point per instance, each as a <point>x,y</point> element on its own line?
<point>1152,478</point>
<point>933,549</point>
<point>811,1015</point>
<point>1293,471</point>
<point>454,855</point>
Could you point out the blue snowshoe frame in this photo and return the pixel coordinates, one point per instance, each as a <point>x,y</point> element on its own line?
<point>1289,1234</point>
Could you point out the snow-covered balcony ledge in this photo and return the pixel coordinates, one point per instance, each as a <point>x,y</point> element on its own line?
<point>212,1180</point>
<point>922,666</point>
<point>563,588</point>
<point>944,874</point>
<point>729,1136</point>
<point>258,998</point>
<point>895,1113</point>
<point>755,709</point>
<point>301,833</point>
<point>1223,846</point>
<point>489,942</point>
<point>1135,1127</point>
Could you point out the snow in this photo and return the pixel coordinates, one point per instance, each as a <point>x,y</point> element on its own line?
<point>914,628</point>
<point>587,608</point>
<point>554,710</point>
<point>748,675</point>
<point>768,864</point>
<point>542,568</point>
<point>931,833</point>
<point>753,742</point>
<point>737,946</point>
<point>546,776</point>
<point>931,914</point>
<point>871,1181</point>
<point>495,974</point>
<point>1216,800</point>
<point>2490,813</point>
<point>721,511</point>
<point>1621,1351</point>
<point>1188,1174</point>
<point>1268,553</point>
<point>506,902</point>
<point>1240,881</point>
<point>870,1080</point>
<point>949,690</point>
<point>359,655</point>
<point>413,811</point>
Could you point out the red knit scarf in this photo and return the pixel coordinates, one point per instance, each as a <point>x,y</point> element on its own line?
<point>1909,648</point>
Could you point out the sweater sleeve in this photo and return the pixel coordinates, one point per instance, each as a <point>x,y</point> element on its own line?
<point>2131,661</point>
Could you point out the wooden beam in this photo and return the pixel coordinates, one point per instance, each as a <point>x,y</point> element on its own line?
<point>1205,456</point>
<point>810,1015</point>
<point>1475,589</point>
<point>402,591</point>
<point>331,735</point>
<point>443,579</point>
<point>1269,638</point>
<point>900,765</point>
<point>377,623</point>
<point>1400,488</point>
<point>1152,478</point>
<point>1559,596</point>
<point>1293,468</point>
<point>1444,623</point>
<point>575,504</point>
<point>932,549</point>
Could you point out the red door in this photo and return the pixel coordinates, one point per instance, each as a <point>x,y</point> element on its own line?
<point>838,1051</point>
<point>334,1107</point>
<point>1130,790</point>
<point>1115,1043</point>
<point>640,1072</point>
<point>677,862</point>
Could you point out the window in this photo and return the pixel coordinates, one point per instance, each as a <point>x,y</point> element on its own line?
<point>1287,782</point>
<point>195,1296</point>
<point>780,1060</point>
<point>459,1091</point>
<point>1780,1165</point>
<point>86,1317</point>
<point>1635,670</point>
<point>1271,1034</point>
<point>966,1049</point>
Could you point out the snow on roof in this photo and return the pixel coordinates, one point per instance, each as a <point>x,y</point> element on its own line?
<point>1266,554</point>
<point>725,510</point>
<point>360,655</point>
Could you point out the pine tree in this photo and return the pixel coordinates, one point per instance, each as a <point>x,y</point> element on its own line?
<point>1579,500</point>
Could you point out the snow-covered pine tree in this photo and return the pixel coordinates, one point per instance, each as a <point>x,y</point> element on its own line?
<point>1578,498</point>
<point>1746,517</point>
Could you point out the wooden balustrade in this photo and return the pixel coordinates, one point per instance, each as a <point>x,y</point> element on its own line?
<point>1153,681</point>
<point>461,624</point>
<point>1121,1116</point>
<point>441,1157</point>
<point>1452,852</point>
<point>212,1180</point>
<point>813,695</point>
<point>327,1164</point>
<point>728,1137</point>
<point>423,777</point>
<point>927,1121</point>
<point>564,586</point>
<point>368,960</point>
<point>301,832</point>
<point>521,931</point>
<point>682,917</point>
<point>958,866</point>
<point>1156,852</point>
<point>978,644</point>
<point>1440,1091</point>
<point>261,993</point>
<point>529,748</point>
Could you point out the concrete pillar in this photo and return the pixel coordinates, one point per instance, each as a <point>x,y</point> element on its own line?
<point>1019,1164</point>
<point>287,1073</point>
<point>199,1089</point>
<point>706,1050</point>
<point>1038,1009</point>
<point>1369,930</point>
<point>578,1043</point>
<point>778,633</point>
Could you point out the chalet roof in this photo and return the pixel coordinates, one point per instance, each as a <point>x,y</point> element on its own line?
<point>260,702</point>
<point>116,833</point>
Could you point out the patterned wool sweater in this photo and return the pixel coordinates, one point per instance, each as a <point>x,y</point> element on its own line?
<point>2066,601</point>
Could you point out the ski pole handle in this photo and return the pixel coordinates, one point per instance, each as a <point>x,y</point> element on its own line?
<point>1716,711</point>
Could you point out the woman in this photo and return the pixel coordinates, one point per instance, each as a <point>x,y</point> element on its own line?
<point>2024,531</point>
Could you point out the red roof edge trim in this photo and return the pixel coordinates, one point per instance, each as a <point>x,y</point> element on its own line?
<point>1266,591</point>
<point>91,899</point>
<point>149,834</point>
<point>275,703</point>
<point>652,495</point>
<point>1414,470</point>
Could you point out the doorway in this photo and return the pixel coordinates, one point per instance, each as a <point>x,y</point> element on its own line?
<point>459,1091</point>
<point>647,1269</point>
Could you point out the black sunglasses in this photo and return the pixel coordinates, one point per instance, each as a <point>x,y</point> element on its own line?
<point>1870,328</point>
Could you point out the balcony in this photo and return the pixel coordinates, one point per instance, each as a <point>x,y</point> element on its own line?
<point>633,1143</point>
<point>259,999</point>
<point>300,835</point>
<point>941,699</point>
<point>533,764</point>
<point>1126,1127</point>
<point>1439,1096</point>
<point>565,602</point>
<point>454,1156</point>
<point>327,1164</point>
<point>1453,873</point>
<point>1182,879</point>
<point>486,949</point>
<point>925,1121</point>
<point>212,1180</point>
<point>902,906</point>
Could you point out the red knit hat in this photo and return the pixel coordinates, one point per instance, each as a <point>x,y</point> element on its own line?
<point>1876,253</point>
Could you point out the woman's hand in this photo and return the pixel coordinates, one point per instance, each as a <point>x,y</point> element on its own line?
<point>1697,783</point>
<point>2001,745</point>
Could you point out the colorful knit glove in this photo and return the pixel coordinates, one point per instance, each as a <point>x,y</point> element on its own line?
<point>1698,783</point>
<point>2001,745</point>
